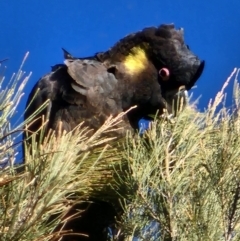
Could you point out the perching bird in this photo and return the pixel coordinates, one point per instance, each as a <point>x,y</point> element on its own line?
<point>150,68</point>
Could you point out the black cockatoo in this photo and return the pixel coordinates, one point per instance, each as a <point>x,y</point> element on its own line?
<point>150,68</point>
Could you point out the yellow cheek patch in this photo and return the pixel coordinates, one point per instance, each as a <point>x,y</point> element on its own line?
<point>136,61</point>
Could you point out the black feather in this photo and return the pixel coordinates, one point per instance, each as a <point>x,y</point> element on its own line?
<point>90,89</point>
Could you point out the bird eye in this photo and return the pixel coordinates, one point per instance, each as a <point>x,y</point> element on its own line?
<point>164,74</point>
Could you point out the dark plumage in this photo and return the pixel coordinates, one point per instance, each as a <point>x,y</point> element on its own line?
<point>150,69</point>
<point>90,89</point>
<point>91,98</point>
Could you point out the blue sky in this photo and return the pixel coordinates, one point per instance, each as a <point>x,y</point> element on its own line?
<point>212,30</point>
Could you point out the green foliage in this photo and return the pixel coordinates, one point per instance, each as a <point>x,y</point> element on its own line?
<point>184,174</point>
<point>9,100</point>
<point>57,174</point>
<point>186,177</point>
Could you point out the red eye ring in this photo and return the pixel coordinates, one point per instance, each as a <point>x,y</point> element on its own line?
<point>164,74</point>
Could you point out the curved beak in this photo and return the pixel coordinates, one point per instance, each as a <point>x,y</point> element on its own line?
<point>196,76</point>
